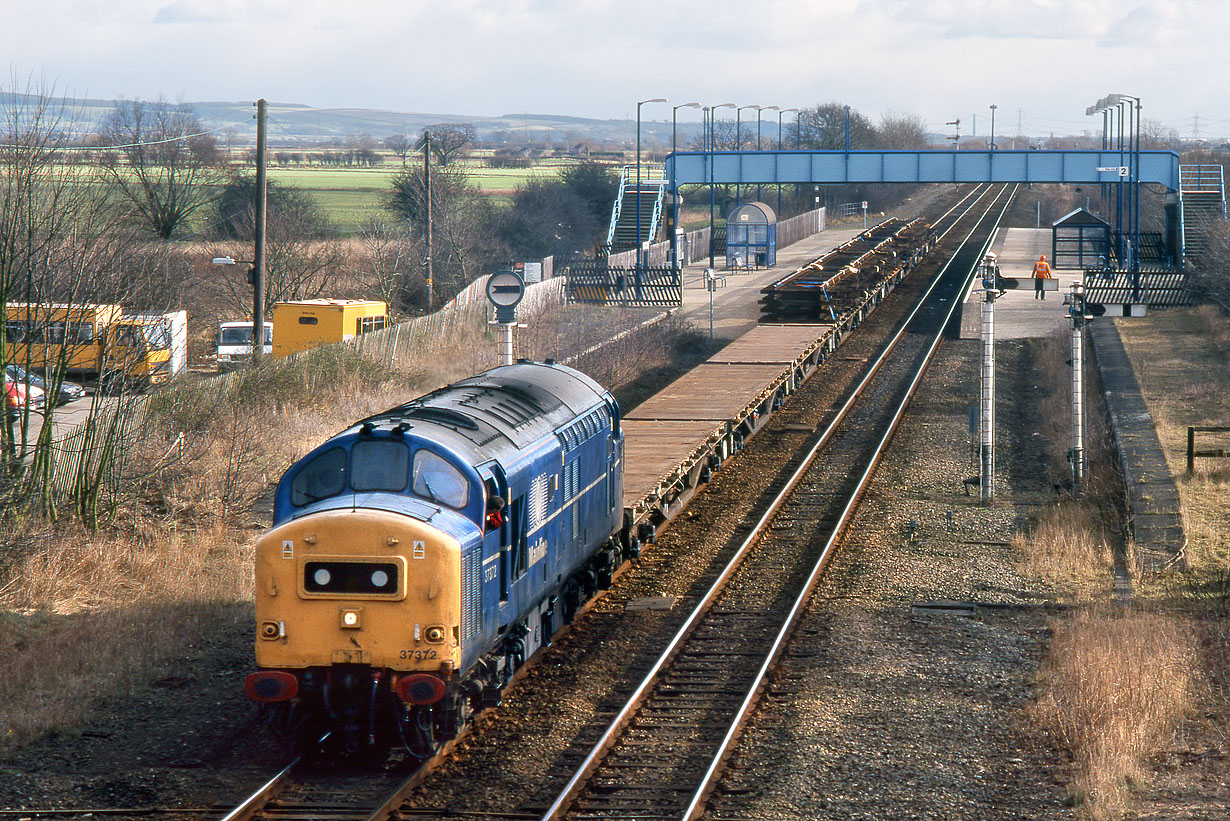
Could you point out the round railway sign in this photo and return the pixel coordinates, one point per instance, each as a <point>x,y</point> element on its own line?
<point>505,289</point>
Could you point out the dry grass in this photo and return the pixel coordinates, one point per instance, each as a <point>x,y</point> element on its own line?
<point>89,617</point>
<point>1114,688</point>
<point>1069,550</point>
<point>1180,359</point>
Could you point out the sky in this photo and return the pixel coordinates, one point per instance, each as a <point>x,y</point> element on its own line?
<point>1041,62</point>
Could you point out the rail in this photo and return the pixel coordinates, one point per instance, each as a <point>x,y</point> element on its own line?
<point>583,773</point>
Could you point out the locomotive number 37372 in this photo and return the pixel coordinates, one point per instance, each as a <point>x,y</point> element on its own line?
<point>418,655</point>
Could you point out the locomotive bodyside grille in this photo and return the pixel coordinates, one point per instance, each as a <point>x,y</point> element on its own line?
<point>471,594</point>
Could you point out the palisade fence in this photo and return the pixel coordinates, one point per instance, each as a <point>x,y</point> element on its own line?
<point>105,442</point>
<point>92,456</point>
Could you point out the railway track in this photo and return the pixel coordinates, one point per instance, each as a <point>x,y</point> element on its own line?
<point>663,751</point>
<point>301,793</point>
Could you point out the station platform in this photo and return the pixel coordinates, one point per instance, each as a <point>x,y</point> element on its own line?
<point>1018,315</point>
<point>736,302</point>
<point>673,440</point>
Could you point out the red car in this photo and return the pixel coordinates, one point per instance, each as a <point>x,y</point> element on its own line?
<point>16,396</point>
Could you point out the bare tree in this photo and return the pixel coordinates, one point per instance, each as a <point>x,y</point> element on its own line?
<point>400,145</point>
<point>303,258</point>
<point>461,219</point>
<point>162,162</point>
<point>390,260</point>
<point>901,131</point>
<point>1156,135</point>
<point>62,248</point>
<point>824,127</point>
<point>448,140</point>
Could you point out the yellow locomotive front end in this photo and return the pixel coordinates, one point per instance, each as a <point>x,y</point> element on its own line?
<point>357,617</point>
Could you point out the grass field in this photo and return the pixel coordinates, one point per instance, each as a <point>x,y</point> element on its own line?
<point>351,195</point>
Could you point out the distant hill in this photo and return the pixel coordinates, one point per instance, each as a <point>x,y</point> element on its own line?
<point>299,123</point>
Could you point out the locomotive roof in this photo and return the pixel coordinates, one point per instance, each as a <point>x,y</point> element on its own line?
<point>493,413</point>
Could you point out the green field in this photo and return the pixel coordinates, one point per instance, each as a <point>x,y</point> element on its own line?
<point>351,195</point>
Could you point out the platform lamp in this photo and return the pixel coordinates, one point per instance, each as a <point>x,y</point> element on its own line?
<point>674,185</point>
<point>758,112</point>
<point>639,260</point>
<point>993,107</point>
<point>780,112</point>
<point>712,117</point>
<point>738,141</point>
<point>1133,215</point>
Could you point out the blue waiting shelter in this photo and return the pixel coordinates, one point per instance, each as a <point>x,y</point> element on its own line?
<point>751,236</point>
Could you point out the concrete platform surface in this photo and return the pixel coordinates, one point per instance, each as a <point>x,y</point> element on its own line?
<point>1018,315</point>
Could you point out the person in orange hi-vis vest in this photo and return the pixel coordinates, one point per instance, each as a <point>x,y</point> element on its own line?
<point>1042,271</point>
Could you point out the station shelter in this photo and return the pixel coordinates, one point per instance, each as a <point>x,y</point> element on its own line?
<point>751,236</point>
<point>1080,240</point>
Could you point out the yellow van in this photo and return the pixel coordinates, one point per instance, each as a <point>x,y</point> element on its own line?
<point>93,341</point>
<point>298,326</point>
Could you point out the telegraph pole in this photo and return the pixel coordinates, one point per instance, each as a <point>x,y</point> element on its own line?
<point>427,189</point>
<point>258,255</point>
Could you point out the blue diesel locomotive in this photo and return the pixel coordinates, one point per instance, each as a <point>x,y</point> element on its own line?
<point>418,558</point>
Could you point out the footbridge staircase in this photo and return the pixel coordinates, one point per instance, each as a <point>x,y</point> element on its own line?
<point>651,192</point>
<point>1202,198</point>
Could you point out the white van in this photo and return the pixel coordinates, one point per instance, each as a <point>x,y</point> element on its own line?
<point>235,343</point>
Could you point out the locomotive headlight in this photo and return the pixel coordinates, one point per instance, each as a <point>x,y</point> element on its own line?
<point>270,630</point>
<point>434,634</point>
<point>352,618</point>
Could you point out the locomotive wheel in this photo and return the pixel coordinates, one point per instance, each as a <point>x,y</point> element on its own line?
<point>419,733</point>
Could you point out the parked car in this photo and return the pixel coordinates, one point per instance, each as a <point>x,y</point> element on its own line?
<point>68,390</point>
<point>18,395</point>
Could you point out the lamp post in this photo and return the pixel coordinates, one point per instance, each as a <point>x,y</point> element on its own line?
<point>780,112</point>
<point>712,195</point>
<point>993,107</point>
<point>639,259</point>
<point>1133,211</point>
<point>1112,107</point>
<point>738,143</point>
<point>758,112</point>
<point>674,185</point>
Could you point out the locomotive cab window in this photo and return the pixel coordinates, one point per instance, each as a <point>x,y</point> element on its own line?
<point>437,480</point>
<point>379,464</point>
<point>320,478</point>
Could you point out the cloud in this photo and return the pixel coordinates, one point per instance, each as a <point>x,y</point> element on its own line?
<point>187,11</point>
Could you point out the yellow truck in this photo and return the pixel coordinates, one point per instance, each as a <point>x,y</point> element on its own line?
<point>299,326</point>
<point>96,341</point>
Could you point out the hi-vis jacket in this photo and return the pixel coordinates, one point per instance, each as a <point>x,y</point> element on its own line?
<point>1042,270</point>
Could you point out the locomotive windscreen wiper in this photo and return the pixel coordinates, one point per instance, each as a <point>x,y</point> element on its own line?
<point>430,492</point>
